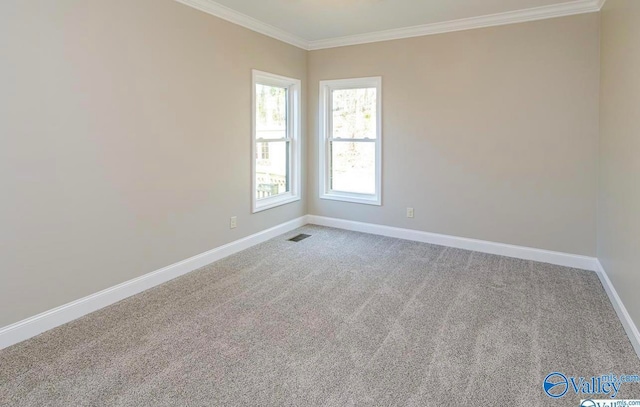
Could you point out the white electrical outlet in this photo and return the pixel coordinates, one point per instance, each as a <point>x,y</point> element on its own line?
<point>409,212</point>
<point>234,222</point>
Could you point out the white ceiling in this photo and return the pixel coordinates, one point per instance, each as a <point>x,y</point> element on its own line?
<point>321,19</point>
<point>316,24</point>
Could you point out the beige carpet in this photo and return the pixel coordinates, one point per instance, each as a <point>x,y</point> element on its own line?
<point>339,319</point>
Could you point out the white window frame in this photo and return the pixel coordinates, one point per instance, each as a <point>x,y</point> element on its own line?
<point>293,136</point>
<point>325,129</point>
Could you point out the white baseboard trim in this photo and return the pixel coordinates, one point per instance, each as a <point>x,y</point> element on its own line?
<point>45,321</point>
<point>519,252</point>
<point>621,310</point>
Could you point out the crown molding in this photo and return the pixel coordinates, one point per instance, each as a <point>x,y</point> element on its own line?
<point>225,13</point>
<point>511,17</point>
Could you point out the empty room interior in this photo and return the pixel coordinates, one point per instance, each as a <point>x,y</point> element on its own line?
<point>320,203</point>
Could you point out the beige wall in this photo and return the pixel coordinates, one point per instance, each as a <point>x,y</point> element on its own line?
<point>489,134</point>
<point>619,205</point>
<point>124,142</point>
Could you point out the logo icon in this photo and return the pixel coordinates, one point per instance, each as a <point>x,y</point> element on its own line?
<point>556,385</point>
<point>588,403</point>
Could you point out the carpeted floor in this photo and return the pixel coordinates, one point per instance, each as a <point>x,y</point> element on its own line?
<point>339,319</point>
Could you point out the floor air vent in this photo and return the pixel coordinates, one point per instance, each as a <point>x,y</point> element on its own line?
<point>299,238</point>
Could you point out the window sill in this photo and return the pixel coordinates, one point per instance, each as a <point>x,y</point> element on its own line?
<point>273,202</point>
<point>353,198</point>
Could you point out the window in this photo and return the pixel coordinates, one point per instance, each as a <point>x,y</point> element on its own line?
<point>264,151</point>
<point>351,140</point>
<point>275,140</point>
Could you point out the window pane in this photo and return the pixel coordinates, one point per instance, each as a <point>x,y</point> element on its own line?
<point>272,168</point>
<point>271,112</point>
<point>354,113</point>
<point>353,167</point>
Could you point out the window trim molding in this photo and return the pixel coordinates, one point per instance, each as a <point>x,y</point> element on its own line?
<point>326,87</point>
<point>294,126</point>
